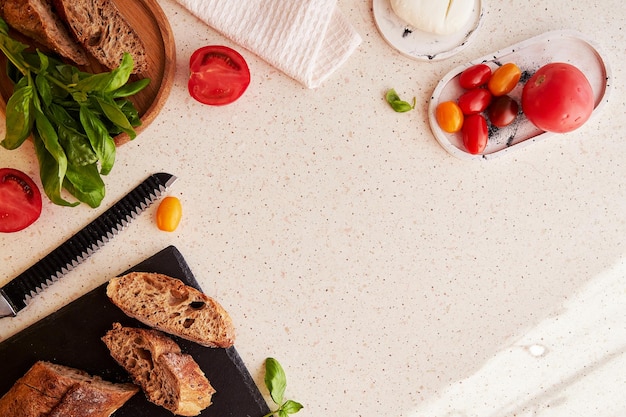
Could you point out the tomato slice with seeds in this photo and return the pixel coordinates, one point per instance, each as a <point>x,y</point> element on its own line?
<point>20,200</point>
<point>219,75</point>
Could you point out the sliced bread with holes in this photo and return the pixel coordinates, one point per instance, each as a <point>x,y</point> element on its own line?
<point>103,31</point>
<point>36,20</point>
<point>53,390</point>
<point>167,304</point>
<point>168,377</point>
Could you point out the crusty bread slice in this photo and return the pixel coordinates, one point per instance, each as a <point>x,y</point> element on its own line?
<point>36,19</point>
<point>54,390</point>
<point>103,31</point>
<point>168,377</point>
<point>169,305</point>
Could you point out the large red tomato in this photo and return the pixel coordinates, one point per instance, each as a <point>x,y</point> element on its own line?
<point>558,98</point>
<point>20,200</point>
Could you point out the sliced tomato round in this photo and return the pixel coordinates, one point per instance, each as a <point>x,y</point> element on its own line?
<point>219,75</point>
<point>20,200</point>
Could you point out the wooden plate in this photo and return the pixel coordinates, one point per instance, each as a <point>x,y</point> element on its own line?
<point>150,22</point>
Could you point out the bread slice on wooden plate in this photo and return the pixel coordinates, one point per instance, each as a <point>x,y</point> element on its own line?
<point>168,377</point>
<point>36,20</point>
<point>103,31</point>
<point>54,390</point>
<point>169,305</point>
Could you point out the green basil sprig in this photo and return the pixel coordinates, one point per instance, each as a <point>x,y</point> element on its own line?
<point>72,117</point>
<point>276,383</point>
<point>397,104</point>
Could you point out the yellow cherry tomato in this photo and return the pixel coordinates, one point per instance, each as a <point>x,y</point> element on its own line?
<point>168,214</point>
<point>449,116</point>
<point>504,79</point>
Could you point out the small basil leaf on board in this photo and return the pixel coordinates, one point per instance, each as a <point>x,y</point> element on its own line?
<point>398,104</point>
<point>275,380</point>
<point>19,117</point>
<point>116,116</point>
<point>131,88</point>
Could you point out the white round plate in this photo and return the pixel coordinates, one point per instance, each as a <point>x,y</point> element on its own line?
<point>419,44</point>
<point>529,55</point>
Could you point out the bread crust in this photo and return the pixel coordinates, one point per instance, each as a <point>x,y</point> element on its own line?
<point>37,20</point>
<point>101,29</point>
<point>167,304</point>
<point>168,377</point>
<point>54,390</point>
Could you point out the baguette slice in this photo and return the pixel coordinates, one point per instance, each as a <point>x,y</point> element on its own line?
<point>169,378</point>
<point>36,19</point>
<point>169,305</point>
<point>103,31</point>
<point>53,390</point>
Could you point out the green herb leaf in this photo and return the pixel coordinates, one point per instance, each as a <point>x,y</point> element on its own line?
<point>130,89</point>
<point>397,104</point>
<point>275,380</point>
<point>291,407</point>
<point>101,142</point>
<point>116,116</point>
<point>19,117</point>
<point>276,383</point>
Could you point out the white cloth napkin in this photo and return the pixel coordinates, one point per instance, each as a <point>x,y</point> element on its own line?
<point>306,39</point>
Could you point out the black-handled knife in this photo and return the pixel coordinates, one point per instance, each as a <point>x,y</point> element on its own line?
<point>17,293</point>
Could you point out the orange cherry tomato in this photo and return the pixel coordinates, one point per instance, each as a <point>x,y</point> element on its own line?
<point>504,79</point>
<point>449,116</point>
<point>168,214</point>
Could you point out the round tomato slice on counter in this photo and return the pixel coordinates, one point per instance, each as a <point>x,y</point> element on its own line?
<point>20,200</point>
<point>219,75</point>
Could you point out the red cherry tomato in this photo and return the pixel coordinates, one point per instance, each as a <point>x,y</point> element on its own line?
<point>504,79</point>
<point>475,76</point>
<point>474,101</point>
<point>449,116</point>
<point>20,200</point>
<point>219,75</point>
<point>558,98</point>
<point>502,111</point>
<point>475,134</point>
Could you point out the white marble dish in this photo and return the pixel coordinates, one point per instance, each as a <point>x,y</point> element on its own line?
<point>419,44</point>
<point>529,55</point>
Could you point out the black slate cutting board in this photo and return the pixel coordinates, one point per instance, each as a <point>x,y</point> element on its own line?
<point>71,337</point>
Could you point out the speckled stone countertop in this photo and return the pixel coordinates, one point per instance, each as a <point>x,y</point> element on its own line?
<point>387,276</point>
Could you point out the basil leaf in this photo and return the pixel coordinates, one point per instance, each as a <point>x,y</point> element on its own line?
<point>101,142</point>
<point>116,116</point>
<point>84,183</point>
<point>291,407</point>
<point>48,169</point>
<point>130,89</point>
<point>19,117</point>
<point>106,82</point>
<point>396,103</point>
<point>282,413</point>
<point>275,380</point>
<point>50,139</point>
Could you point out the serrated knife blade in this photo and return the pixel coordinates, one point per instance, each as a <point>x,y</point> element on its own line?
<point>17,293</point>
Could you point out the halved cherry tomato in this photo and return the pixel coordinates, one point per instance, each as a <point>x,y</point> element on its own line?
<point>502,111</point>
<point>475,134</point>
<point>475,76</point>
<point>474,101</point>
<point>504,79</point>
<point>20,200</point>
<point>219,75</point>
<point>169,213</point>
<point>449,116</point>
